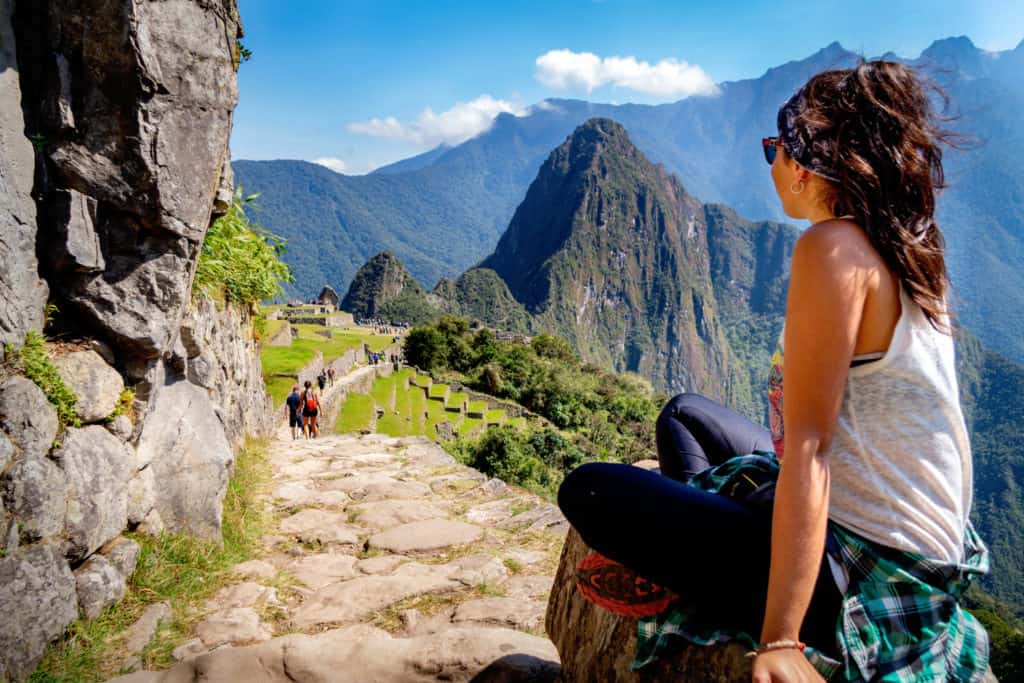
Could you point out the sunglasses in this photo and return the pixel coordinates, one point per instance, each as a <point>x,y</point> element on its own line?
<point>770,147</point>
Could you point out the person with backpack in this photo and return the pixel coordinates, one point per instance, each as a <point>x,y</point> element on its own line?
<point>293,404</point>
<point>321,380</point>
<point>310,411</point>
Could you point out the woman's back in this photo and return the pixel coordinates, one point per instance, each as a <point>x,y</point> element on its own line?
<point>899,457</point>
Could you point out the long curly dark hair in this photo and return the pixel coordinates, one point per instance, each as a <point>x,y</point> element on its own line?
<point>886,140</point>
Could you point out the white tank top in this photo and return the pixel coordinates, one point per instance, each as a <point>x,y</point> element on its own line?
<point>900,458</point>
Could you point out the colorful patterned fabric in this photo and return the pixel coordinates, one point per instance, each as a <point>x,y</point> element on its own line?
<point>900,620</point>
<point>775,402</point>
<point>619,589</point>
<point>815,153</point>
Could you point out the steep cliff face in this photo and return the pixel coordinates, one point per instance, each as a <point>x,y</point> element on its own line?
<point>131,104</point>
<point>22,292</point>
<point>128,107</point>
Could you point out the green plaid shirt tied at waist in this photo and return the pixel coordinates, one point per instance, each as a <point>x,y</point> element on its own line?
<point>900,620</point>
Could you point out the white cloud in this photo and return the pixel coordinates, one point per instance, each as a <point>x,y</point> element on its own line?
<point>347,167</point>
<point>567,70</point>
<point>333,163</point>
<point>461,122</point>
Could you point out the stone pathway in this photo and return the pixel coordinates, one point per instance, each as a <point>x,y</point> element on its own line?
<point>390,562</point>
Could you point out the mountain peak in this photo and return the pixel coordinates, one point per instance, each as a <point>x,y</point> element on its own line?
<point>953,47</point>
<point>381,278</point>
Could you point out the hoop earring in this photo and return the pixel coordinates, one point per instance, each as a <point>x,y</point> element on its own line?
<point>802,185</point>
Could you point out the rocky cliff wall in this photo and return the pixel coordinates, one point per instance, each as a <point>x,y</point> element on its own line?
<point>114,118</point>
<point>22,292</point>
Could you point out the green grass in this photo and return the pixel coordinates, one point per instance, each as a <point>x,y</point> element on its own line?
<point>477,408</point>
<point>392,425</point>
<point>469,424</point>
<point>279,388</point>
<point>383,392</point>
<point>438,391</point>
<point>182,570</point>
<point>456,399</point>
<point>356,414</point>
<point>517,422</point>
<point>417,406</point>
<point>274,327</point>
<point>33,359</point>
<point>285,360</point>
<point>495,416</point>
<point>423,381</point>
<point>435,414</point>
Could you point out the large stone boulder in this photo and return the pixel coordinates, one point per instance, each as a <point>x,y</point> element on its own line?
<point>37,592</point>
<point>183,442</point>
<point>99,585</point>
<point>34,493</point>
<point>27,418</point>
<point>22,292</point>
<point>96,466</point>
<point>597,645</point>
<point>97,385</point>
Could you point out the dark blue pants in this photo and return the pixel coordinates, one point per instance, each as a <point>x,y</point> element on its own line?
<point>711,550</point>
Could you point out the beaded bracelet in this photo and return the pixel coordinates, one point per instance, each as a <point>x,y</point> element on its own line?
<point>778,645</point>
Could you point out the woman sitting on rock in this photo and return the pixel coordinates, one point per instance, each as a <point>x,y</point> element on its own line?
<point>836,544</point>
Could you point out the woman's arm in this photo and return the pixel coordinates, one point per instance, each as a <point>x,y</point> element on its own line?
<point>824,308</point>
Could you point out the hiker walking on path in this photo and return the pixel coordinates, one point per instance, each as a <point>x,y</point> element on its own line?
<point>330,375</point>
<point>293,408</point>
<point>310,411</point>
<point>321,380</point>
<point>837,543</point>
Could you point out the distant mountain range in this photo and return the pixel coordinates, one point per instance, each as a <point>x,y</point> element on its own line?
<point>443,211</point>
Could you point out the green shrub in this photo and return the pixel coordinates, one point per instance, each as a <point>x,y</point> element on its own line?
<point>240,260</point>
<point>426,348</point>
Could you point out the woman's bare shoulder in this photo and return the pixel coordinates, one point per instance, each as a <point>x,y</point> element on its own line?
<point>839,240</point>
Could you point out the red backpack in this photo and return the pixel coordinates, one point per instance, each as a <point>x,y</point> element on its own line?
<point>310,398</point>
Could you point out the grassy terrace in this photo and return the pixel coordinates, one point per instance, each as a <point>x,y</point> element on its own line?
<point>281,364</point>
<point>456,401</point>
<point>356,415</point>
<point>275,326</point>
<point>408,412</point>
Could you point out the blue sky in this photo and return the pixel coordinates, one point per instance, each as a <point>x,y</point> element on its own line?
<point>361,83</point>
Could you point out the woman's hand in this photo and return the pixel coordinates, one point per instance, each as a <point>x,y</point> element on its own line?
<point>784,666</point>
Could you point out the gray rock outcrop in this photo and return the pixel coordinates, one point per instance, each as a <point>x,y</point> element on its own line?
<point>96,385</point>
<point>27,418</point>
<point>96,467</point>
<point>183,442</point>
<point>128,106</point>
<point>37,576</point>
<point>34,494</point>
<point>99,585</point>
<point>22,292</point>
<point>133,123</point>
